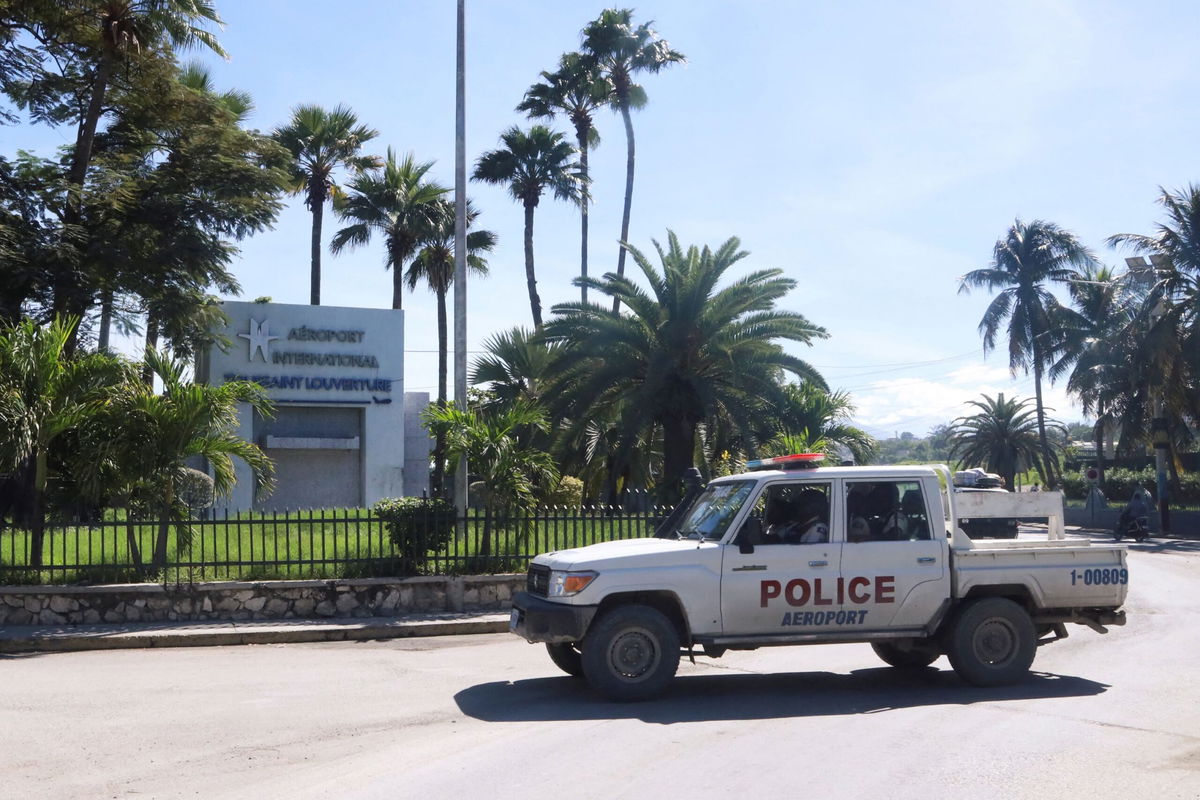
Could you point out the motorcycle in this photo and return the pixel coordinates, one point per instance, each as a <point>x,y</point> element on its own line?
<point>1136,528</point>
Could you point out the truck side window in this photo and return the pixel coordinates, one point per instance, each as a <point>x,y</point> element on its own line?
<point>794,513</point>
<point>886,511</point>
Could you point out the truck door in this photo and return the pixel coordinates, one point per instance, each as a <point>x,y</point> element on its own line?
<point>893,566</point>
<point>787,584</point>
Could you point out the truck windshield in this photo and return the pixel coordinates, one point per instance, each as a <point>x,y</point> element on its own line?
<point>710,516</point>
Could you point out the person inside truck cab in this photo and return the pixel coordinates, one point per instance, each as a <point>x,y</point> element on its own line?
<point>814,517</point>
<point>782,524</point>
<point>873,511</point>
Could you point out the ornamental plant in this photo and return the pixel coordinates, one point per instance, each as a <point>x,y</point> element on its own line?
<point>416,526</point>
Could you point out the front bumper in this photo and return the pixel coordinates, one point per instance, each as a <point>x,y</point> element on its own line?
<point>538,620</point>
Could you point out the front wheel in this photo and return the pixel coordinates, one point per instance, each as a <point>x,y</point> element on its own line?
<point>566,657</point>
<point>992,642</point>
<point>912,655</point>
<point>631,653</point>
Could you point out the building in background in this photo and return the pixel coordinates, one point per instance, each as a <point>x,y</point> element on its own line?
<point>344,434</point>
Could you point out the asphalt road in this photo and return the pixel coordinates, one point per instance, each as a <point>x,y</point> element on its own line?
<point>1114,716</point>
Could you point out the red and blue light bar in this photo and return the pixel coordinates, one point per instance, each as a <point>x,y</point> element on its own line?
<point>794,461</point>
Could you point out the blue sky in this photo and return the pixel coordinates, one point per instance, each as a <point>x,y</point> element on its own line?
<point>873,151</point>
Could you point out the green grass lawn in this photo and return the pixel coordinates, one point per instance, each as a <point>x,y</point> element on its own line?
<point>312,544</point>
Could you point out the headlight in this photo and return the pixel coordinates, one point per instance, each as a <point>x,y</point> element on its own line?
<point>565,584</point>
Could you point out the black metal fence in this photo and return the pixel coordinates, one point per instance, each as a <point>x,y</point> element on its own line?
<point>320,544</point>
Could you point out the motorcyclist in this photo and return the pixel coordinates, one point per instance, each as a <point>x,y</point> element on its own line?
<point>1137,507</point>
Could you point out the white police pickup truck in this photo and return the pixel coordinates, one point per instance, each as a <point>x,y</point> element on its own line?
<point>794,553</point>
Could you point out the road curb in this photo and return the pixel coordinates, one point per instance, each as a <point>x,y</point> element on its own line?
<point>27,639</point>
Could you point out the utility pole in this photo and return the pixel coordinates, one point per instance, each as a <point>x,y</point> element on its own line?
<point>460,254</point>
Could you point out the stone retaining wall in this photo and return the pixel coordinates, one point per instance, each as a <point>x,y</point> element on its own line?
<point>143,602</point>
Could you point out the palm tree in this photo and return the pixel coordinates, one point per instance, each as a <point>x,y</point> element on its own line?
<point>510,472</point>
<point>1023,261</point>
<point>531,163</point>
<point>576,89</point>
<point>1084,339</point>
<point>44,396</point>
<point>815,420</point>
<point>686,352</point>
<point>400,205</point>
<point>1003,436</point>
<point>1175,252</point>
<point>518,365</point>
<point>322,142</point>
<point>156,433</point>
<point>434,265</point>
<point>621,51</point>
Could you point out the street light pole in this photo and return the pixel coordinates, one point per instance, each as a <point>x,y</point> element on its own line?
<point>1158,429</point>
<point>460,253</point>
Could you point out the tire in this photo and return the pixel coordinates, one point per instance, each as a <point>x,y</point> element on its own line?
<point>992,643</point>
<point>567,658</point>
<point>917,656</point>
<point>631,653</point>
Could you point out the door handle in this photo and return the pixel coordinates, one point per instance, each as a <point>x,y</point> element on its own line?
<point>926,560</point>
<point>749,568</point>
<point>818,563</point>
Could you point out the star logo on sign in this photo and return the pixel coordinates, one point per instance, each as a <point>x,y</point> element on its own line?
<point>260,338</point>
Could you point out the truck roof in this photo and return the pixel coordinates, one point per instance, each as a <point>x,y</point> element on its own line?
<point>859,473</point>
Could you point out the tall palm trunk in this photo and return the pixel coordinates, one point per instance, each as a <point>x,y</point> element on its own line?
<point>1051,479</point>
<point>679,442</point>
<point>581,133</point>
<point>629,160</point>
<point>318,214</point>
<point>106,309</point>
<point>439,445</point>
<point>535,302</point>
<point>397,279</point>
<point>151,344</point>
<point>1098,437</point>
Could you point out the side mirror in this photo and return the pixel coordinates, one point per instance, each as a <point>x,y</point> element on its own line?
<point>750,534</point>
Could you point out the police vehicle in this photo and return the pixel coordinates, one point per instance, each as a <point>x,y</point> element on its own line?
<point>793,553</point>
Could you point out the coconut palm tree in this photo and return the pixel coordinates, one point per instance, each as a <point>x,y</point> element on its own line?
<point>576,90</point>
<point>399,204</point>
<point>1003,436</point>
<point>621,50</point>
<point>531,163</point>
<point>1083,341</point>
<point>687,351</point>
<point>1024,260</point>
<point>434,266</point>
<point>1168,355</point>
<point>322,143</point>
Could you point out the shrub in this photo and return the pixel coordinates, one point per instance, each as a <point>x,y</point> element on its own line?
<point>416,526</point>
<point>567,492</point>
<point>196,489</point>
<point>1075,487</point>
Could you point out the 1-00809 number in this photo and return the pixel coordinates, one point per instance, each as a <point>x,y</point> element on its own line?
<point>1099,577</point>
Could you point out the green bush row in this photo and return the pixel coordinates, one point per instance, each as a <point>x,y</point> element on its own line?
<point>1119,485</point>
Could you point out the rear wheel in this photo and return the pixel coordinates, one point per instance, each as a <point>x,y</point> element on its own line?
<point>631,653</point>
<point>567,658</point>
<point>907,655</point>
<point>992,643</point>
